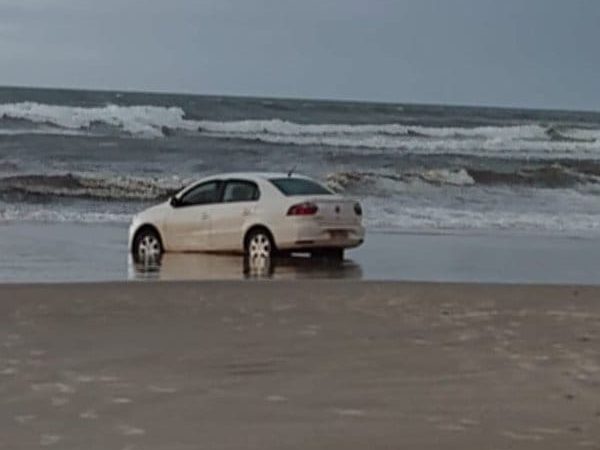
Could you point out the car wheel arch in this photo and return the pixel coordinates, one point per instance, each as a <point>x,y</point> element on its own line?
<point>254,227</point>
<point>151,227</point>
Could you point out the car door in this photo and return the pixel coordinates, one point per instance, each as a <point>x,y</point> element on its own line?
<point>189,223</point>
<point>238,204</point>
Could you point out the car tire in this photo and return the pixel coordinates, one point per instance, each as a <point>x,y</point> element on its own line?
<point>147,246</point>
<point>259,244</point>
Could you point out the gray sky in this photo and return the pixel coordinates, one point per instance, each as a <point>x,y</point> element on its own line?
<point>535,53</point>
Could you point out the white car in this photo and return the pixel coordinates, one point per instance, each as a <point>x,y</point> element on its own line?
<point>257,214</point>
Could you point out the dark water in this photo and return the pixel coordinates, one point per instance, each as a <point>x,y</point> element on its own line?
<point>80,156</point>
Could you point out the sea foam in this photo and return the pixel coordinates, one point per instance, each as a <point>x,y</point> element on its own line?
<point>137,120</point>
<point>523,140</point>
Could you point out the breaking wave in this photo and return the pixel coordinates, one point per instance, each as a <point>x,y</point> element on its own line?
<point>159,121</point>
<point>153,121</point>
<point>13,213</point>
<point>392,201</point>
<point>445,219</point>
<point>117,188</point>
<point>414,139</point>
<point>112,187</point>
<point>551,176</point>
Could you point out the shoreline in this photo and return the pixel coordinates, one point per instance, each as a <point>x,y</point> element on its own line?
<point>175,283</point>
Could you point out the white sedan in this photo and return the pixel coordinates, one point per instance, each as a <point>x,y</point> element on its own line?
<point>257,214</point>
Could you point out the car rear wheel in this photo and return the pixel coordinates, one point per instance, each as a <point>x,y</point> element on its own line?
<point>147,246</point>
<point>259,244</point>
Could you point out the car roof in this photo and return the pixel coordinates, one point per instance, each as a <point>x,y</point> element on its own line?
<point>254,175</point>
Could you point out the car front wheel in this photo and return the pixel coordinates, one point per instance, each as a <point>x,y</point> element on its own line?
<point>147,245</point>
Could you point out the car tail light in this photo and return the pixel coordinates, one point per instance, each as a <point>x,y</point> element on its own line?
<point>303,209</point>
<point>358,209</point>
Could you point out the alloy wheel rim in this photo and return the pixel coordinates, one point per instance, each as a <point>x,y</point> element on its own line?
<point>149,247</point>
<point>260,246</point>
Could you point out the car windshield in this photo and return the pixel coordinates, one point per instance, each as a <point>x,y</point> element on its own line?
<point>299,186</point>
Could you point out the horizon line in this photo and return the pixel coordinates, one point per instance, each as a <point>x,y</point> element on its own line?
<point>310,98</point>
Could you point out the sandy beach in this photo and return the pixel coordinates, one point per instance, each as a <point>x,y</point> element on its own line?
<point>312,364</point>
<point>412,189</point>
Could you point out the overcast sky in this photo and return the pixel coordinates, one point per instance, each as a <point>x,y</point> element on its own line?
<point>535,53</point>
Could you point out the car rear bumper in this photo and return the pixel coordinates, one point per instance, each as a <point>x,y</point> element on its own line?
<point>313,235</point>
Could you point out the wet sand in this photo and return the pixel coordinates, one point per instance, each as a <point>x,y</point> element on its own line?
<point>70,252</point>
<point>299,365</point>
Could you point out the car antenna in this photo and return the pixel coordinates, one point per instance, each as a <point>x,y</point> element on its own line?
<point>292,170</point>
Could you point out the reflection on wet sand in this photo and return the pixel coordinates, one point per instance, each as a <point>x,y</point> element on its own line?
<point>201,266</point>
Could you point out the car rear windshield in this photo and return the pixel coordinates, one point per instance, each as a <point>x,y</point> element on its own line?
<point>299,186</point>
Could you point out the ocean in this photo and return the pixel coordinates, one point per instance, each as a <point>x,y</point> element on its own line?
<point>98,157</point>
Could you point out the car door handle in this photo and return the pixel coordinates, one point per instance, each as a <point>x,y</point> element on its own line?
<point>204,216</point>
<point>246,212</point>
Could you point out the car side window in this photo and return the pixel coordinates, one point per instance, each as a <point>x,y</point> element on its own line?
<point>202,194</point>
<point>240,191</point>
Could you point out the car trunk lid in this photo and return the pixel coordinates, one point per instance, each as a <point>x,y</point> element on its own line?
<point>336,212</point>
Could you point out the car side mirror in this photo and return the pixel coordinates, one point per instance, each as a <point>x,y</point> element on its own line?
<point>175,202</point>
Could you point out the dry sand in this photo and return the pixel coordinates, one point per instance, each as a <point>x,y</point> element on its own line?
<point>299,365</point>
